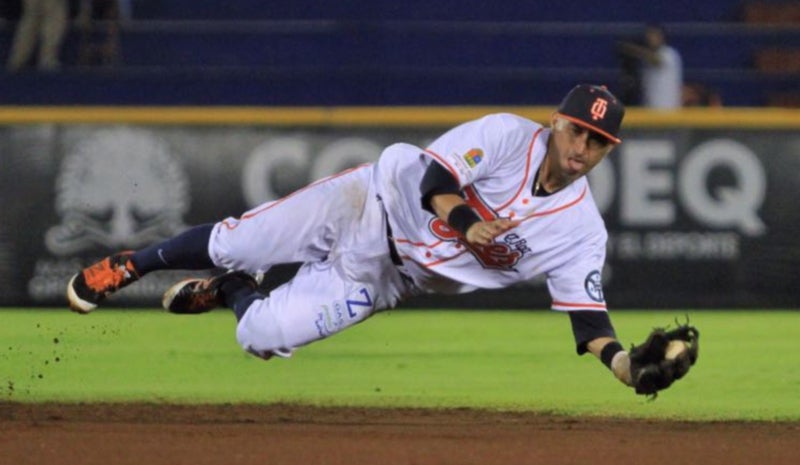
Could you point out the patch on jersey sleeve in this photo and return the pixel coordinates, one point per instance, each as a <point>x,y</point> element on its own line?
<point>473,157</point>
<point>594,286</point>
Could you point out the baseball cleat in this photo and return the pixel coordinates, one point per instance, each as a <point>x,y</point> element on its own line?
<point>192,296</point>
<point>93,284</point>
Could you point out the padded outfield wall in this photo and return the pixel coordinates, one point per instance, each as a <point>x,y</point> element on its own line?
<point>700,205</point>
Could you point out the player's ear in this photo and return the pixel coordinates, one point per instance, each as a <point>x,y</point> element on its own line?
<point>553,119</point>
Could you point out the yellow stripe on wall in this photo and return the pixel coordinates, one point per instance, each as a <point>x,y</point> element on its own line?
<point>736,118</point>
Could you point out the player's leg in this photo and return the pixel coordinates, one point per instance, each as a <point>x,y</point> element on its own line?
<point>53,29</point>
<point>193,296</point>
<point>326,297</point>
<point>356,279</point>
<point>319,302</point>
<point>186,251</point>
<point>300,227</point>
<point>311,306</point>
<point>26,35</point>
<point>322,222</point>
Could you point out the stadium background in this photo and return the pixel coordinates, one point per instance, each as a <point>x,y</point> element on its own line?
<point>211,108</point>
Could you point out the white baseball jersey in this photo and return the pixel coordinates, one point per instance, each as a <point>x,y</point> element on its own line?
<point>495,160</point>
<point>338,228</point>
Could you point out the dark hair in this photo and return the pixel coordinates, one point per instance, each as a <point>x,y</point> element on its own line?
<point>656,27</point>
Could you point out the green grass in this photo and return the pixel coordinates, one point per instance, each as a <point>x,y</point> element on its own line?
<point>498,360</point>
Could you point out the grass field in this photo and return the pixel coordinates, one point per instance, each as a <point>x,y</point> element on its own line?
<point>498,360</point>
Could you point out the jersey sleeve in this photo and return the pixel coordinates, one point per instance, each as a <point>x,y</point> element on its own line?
<point>588,325</point>
<point>475,149</point>
<point>578,285</point>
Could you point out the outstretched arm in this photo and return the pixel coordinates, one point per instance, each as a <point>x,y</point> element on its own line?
<point>611,353</point>
<point>595,334</point>
<point>652,366</point>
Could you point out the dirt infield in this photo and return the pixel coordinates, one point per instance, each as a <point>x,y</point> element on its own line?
<point>157,434</point>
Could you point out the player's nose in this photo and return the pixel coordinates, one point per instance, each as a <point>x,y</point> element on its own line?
<point>581,143</point>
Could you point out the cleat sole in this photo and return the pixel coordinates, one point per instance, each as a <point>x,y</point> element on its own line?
<point>76,304</point>
<point>172,292</point>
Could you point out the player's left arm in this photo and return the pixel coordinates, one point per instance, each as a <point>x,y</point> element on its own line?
<point>595,334</point>
<point>652,366</point>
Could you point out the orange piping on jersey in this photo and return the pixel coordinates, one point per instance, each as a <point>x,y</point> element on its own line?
<point>527,171</point>
<point>437,262</point>
<point>279,201</point>
<point>445,164</point>
<point>475,202</point>
<point>556,210</point>
<point>419,244</point>
<point>578,305</point>
<point>442,260</point>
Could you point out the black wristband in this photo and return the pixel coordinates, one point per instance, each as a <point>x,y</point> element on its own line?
<point>609,351</point>
<point>461,218</point>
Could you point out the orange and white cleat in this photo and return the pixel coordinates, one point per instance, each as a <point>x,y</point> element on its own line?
<point>93,284</point>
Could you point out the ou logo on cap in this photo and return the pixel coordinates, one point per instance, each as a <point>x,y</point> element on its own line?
<point>599,108</point>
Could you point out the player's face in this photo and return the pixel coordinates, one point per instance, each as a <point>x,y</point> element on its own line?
<point>577,149</point>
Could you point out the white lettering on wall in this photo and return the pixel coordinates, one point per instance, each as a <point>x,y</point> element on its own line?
<point>726,206</point>
<point>269,157</point>
<point>295,154</point>
<point>646,168</point>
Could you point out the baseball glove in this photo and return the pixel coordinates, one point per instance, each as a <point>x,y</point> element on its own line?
<point>665,356</point>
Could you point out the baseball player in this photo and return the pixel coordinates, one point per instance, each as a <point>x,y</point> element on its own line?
<point>490,203</point>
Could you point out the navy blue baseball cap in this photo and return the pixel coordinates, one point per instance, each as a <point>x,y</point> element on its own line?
<point>594,108</point>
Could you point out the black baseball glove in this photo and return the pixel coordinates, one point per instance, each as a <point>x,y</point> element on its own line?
<point>665,356</point>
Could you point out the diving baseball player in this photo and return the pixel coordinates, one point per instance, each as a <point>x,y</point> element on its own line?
<point>490,203</point>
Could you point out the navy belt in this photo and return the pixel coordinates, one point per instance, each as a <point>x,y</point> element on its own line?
<point>389,237</point>
<point>392,248</point>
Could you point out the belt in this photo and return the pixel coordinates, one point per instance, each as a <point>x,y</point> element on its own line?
<point>392,248</point>
<point>389,236</point>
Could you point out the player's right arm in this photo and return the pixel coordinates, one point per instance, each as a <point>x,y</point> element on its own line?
<point>440,195</point>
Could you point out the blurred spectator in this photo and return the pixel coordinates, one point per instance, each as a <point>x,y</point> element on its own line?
<point>630,76</point>
<point>661,69</point>
<point>696,94</point>
<point>99,23</point>
<point>42,23</point>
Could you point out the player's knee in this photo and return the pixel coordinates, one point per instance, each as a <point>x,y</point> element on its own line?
<point>259,332</point>
<point>226,251</point>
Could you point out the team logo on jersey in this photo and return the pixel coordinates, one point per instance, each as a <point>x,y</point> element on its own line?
<point>473,157</point>
<point>517,243</point>
<point>330,320</point>
<point>503,254</point>
<point>340,314</point>
<point>594,286</point>
<point>599,108</point>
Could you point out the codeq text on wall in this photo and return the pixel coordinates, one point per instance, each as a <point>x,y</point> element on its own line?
<point>696,217</point>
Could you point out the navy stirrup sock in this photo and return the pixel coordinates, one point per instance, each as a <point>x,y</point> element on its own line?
<point>240,301</point>
<point>238,296</point>
<point>186,251</point>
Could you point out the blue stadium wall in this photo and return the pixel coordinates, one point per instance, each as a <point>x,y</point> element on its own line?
<point>392,53</point>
